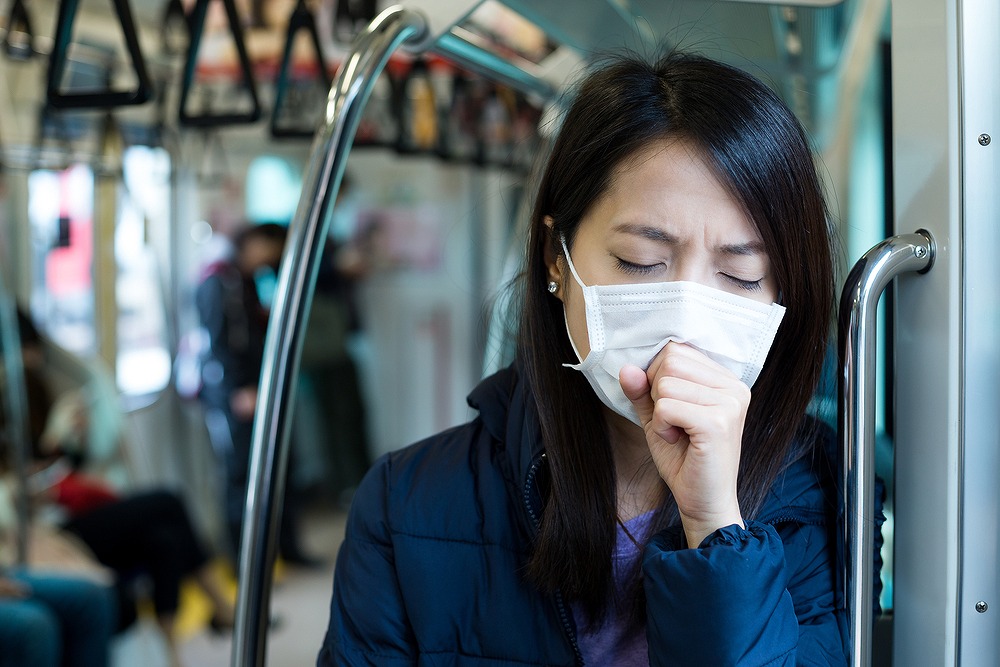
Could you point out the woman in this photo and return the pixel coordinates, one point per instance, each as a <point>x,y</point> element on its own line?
<point>623,498</point>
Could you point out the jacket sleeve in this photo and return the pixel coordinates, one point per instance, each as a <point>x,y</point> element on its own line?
<point>214,298</point>
<point>209,300</point>
<point>368,622</point>
<point>744,597</point>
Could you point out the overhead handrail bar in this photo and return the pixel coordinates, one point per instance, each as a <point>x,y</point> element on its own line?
<point>469,50</point>
<point>13,396</point>
<point>102,99</point>
<point>300,19</point>
<point>858,307</point>
<point>293,297</point>
<point>19,39</point>
<point>197,25</point>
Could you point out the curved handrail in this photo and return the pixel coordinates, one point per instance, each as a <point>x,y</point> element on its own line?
<point>283,347</point>
<point>461,47</point>
<point>858,306</point>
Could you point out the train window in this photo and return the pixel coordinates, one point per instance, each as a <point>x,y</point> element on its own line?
<point>60,210</point>
<point>143,356</point>
<point>62,215</point>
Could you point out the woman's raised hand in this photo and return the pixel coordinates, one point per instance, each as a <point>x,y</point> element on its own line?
<point>692,411</point>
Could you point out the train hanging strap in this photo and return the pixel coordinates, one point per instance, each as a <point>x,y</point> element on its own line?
<point>175,29</point>
<point>210,119</point>
<point>300,19</point>
<point>19,40</point>
<point>102,99</point>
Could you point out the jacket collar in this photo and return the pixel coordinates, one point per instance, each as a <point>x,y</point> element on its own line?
<point>507,410</point>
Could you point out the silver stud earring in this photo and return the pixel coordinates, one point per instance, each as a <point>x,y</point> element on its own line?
<point>553,287</point>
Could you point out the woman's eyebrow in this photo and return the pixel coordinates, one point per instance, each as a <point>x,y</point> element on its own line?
<point>742,249</point>
<point>746,249</point>
<point>646,232</point>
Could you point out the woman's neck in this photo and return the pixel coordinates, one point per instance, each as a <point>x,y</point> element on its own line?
<point>638,485</point>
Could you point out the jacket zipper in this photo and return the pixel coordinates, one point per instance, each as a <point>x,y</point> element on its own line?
<point>560,602</point>
<point>785,518</point>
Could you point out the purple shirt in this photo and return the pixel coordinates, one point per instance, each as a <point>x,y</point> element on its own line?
<point>612,644</point>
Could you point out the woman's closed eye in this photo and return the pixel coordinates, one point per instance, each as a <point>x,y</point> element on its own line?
<point>748,285</point>
<point>626,266</point>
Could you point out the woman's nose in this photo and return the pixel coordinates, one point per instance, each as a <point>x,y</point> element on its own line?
<point>691,269</point>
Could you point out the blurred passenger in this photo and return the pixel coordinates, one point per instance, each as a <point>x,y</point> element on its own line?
<point>59,608</point>
<point>137,534</point>
<point>330,385</point>
<point>231,312</point>
<point>54,621</point>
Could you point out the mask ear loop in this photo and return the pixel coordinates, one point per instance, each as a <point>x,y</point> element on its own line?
<point>569,262</point>
<point>576,277</point>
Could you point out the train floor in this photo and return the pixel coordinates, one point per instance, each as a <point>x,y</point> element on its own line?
<point>300,602</point>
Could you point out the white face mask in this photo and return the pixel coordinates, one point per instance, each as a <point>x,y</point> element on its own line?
<point>630,324</point>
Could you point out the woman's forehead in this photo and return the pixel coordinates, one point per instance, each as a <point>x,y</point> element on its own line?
<point>669,192</point>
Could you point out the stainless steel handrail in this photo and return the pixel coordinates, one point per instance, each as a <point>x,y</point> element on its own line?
<point>858,306</point>
<point>13,397</point>
<point>283,348</point>
<point>466,49</point>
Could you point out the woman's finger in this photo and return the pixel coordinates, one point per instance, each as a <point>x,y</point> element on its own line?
<point>678,360</point>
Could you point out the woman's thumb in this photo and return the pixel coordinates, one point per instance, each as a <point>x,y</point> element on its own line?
<point>635,384</point>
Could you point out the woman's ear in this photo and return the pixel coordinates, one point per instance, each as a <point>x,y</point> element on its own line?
<point>553,261</point>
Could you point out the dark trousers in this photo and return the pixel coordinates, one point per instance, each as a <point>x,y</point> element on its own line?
<point>337,390</point>
<point>232,441</point>
<point>64,621</point>
<point>148,534</point>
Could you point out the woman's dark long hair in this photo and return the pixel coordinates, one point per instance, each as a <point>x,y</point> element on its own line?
<point>757,150</point>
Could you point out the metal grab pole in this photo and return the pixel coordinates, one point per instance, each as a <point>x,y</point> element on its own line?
<point>13,400</point>
<point>858,305</point>
<point>283,347</point>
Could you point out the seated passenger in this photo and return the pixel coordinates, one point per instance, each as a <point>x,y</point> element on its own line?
<point>135,533</point>
<point>623,497</point>
<point>54,621</point>
<point>57,610</point>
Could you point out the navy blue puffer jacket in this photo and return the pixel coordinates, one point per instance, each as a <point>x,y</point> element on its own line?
<point>430,571</point>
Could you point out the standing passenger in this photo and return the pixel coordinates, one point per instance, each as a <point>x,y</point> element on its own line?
<point>622,497</point>
<point>236,321</point>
